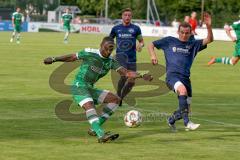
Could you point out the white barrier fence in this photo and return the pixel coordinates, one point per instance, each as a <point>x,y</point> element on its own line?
<point>219,34</point>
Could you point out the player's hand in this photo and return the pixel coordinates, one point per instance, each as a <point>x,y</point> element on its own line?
<point>234,39</point>
<point>139,47</point>
<point>131,74</point>
<point>207,19</point>
<point>227,27</point>
<point>48,60</point>
<point>147,77</point>
<point>154,61</point>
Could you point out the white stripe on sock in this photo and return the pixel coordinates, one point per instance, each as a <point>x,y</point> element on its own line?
<point>227,59</point>
<point>93,120</point>
<point>112,106</point>
<point>85,101</point>
<point>223,59</point>
<point>105,115</point>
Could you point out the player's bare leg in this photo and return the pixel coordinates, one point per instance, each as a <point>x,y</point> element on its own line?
<point>224,60</point>
<point>111,101</point>
<point>66,37</point>
<point>93,119</point>
<point>18,38</point>
<point>183,111</point>
<point>212,61</point>
<point>13,36</point>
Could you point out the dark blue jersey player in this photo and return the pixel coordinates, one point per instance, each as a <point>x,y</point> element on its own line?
<point>179,55</point>
<point>126,35</point>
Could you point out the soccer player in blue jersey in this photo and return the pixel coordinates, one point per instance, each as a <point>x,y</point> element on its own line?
<point>126,35</point>
<point>179,55</point>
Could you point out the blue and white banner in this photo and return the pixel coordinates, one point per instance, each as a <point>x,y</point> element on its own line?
<point>7,26</point>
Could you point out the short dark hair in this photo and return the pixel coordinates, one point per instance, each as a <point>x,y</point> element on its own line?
<point>107,39</point>
<point>127,10</point>
<point>184,25</point>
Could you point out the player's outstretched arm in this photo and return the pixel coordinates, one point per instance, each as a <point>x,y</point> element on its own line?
<point>228,32</point>
<point>152,53</point>
<point>134,75</point>
<point>208,22</point>
<point>64,58</point>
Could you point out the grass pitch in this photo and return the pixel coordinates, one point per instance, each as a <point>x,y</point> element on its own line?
<point>30,129</point>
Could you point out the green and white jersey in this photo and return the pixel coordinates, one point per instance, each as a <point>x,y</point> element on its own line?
<point>236,27</point>
<point>66,18</point>
<point>94,66</point>
<point>18,18</point>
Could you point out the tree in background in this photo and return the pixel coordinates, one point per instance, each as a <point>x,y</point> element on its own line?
<point>222,11</point>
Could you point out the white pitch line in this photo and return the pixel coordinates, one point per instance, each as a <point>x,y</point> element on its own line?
<point>207,120</point>
<point>201,104</point>
<point>217,122</point>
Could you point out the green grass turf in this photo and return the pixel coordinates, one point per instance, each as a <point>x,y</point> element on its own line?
<point>30,129</point>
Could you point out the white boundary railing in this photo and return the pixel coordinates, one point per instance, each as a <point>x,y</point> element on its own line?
<point>151,31</point>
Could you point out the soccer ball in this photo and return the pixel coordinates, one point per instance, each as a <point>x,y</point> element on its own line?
<point>133,119</point>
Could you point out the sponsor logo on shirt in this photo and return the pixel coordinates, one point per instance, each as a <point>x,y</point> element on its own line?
<point>174,49</point>
<point>124,35</point>
<point>181,50</point>
<point>131,30</point>
<point>96,69</point>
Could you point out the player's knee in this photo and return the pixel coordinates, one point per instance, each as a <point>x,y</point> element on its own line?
<point>182,91</point>
<point>112,98</point>
<point>116,99</point>
<point>88,105</point>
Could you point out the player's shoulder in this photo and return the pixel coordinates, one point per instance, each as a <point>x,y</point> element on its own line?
<point>91,50</point>
<point>134,26</point>
<point>170,38</point>
<point>88,52</point>
<point>117,26</point>
<point>236,22</point>
<point>15,13</point>
<point>65,14</point>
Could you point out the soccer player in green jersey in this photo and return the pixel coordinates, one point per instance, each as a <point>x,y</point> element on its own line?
<point>236,54</point>
<point>95,65</point>
<point>17,19</point>
<point>66,21</point>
